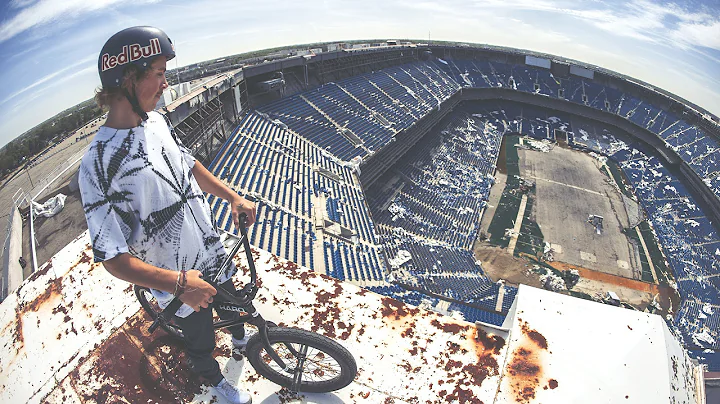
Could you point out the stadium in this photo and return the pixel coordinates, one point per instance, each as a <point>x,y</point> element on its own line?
<point>448,177</point>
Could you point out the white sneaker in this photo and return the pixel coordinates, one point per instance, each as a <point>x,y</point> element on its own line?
<point>232,393</point>
<point>240,344</point>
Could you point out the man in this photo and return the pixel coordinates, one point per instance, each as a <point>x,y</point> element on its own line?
<point>142,194</point>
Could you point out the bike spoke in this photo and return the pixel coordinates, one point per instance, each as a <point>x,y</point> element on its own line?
<point>318,365</point>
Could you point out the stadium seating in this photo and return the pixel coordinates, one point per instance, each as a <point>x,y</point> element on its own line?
<point>292,152</point>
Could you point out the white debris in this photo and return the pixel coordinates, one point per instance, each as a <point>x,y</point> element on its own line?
<point>540,145</point>
<point>584,134</point>
<point>552,282</point>
<point>51,207</point>
<point>397,210</point>
<point>707,309</point>
<point>402,257</point>
<point>703,336</point>
<point>509,233</point>
<point>466,210</point>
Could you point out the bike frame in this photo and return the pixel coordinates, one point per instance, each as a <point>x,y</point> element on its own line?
<point>240,303</point>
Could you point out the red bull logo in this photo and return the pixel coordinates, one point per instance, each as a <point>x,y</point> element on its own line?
<point>131,53</point>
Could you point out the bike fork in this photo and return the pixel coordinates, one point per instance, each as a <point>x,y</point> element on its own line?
<point>301,356</point>
<point>297,376</point>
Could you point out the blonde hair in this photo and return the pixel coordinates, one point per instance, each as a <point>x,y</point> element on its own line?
<point>104,96</point>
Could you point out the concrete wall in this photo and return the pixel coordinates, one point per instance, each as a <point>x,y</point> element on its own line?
<point>12,272</point>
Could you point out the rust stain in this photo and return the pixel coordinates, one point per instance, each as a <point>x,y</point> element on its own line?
<point>525,369</point>
<point>51,292</point>
<point>525,373</point>
<point>461,375</point>
<point>538,338</point>
<point>85,258</point>
<point>348,330</point>
<point>487,341</point>
<point>131,365</point>
<point>449,327</point>
<point>393,309</point>
<point>327,313</point>
<point>41,272</point>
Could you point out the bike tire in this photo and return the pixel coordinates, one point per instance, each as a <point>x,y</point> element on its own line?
<point>148,303</point>
<point>321,347</point>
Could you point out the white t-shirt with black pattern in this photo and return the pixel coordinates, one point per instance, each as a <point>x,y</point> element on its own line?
<point>140,197</point>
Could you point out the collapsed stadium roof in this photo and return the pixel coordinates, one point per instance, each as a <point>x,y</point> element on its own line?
<point>74,333</point>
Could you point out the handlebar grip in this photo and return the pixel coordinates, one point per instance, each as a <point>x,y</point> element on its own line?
<point>242,218</point>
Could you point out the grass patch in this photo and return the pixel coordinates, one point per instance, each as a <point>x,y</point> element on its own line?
<point>646,273</point>
<point>619,177</point>
<point>509,203</point>
<point>503,218</point>
<point>512,160</point>
<point>530,241</point>
<point>661,268</point>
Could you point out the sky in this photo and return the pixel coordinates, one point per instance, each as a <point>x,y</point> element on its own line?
<point>49,48</point>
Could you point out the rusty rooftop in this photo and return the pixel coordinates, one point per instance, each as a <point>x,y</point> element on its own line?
<point>74,334</point>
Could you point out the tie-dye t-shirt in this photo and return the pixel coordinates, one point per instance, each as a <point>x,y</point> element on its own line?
<point>140,197</point>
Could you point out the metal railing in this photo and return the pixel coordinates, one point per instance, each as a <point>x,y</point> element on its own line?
<point>41,187</point>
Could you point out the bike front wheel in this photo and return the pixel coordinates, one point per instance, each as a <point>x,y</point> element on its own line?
<point>327,365</point>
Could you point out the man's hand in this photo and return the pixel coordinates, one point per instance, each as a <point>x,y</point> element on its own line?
<point>240,205</point>
<point>198,293</point>
<point>209,183</point>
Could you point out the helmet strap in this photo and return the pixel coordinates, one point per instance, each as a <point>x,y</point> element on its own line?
<point>132,98</point>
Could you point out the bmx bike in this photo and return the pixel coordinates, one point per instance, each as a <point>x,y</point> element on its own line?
<point>299,360</point>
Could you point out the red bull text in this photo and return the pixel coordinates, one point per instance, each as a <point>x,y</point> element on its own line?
<point>131,53</point>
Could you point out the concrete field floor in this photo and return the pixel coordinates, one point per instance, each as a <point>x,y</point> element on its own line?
<point>569,187</point>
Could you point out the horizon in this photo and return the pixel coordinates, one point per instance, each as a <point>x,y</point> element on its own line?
<point>672,45</point>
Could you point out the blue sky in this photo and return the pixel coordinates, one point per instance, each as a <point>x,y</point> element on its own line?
<point>49,48</point>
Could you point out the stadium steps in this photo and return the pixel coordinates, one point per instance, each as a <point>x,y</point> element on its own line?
<point>397,102</point>
<point>391,128</point>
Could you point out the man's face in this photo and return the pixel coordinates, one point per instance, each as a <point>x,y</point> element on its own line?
<point>150,88</point>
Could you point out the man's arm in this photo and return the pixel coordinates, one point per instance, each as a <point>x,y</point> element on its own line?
<point>209,183</point>
<point>198,293</point>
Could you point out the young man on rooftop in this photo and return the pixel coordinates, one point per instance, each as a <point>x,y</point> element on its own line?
<point>142,194</point>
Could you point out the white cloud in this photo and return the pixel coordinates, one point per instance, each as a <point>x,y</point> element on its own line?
<point>42,12</point>
<point>85,61</point>
<point>705,34</point>
<point>645,20</point>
